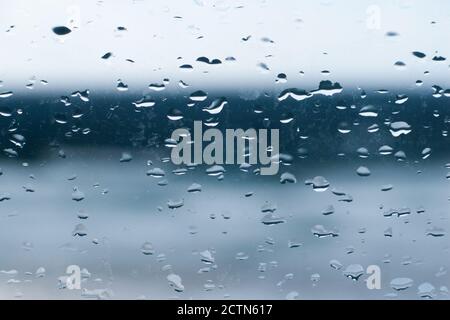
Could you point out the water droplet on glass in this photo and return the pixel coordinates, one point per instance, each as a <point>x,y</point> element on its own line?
<point>400,284</point>
<point>353,271</point>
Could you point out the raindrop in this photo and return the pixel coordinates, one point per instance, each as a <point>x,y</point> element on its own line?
<point>387,187</point>
<point>174,114</point>
<point>321,232</point>
<point>216,106</point>
<point>400,65</point>
<point>175,282</point>
<point>435,232</point>
<point>426,153</point>
<point>126,157</point>
<point>335,264</point>
<point>363,171</point>
<point>6,94</point>
<point>426,290</point>
<point>328,210</point>
<point>400,284</point>
<point>121,86</point>
<point>270,219</point>
<point>401,99</point>
<point>353,271</point>
<point>77,195</point>
<point>175,204</point>
<point>80,230</point>
<point>369,111</point>
<point>319,183</point>
<point>194,188</point>
<point>61,30</point>
<point>157,86</point>
<point>419,54</point>
<point>207,257</point>
<point>288,178</point>
<point>147,248</point>
<point>215,170</point>
<point>198,96</point>
<point>106,56</point>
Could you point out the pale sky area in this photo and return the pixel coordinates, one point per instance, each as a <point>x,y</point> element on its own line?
<point>351,33</point>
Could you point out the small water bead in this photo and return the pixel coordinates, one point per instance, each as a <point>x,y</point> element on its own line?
<point>79,230</point>
<point>198,96</point>
<point>319,183</point>
<point>241,256</point>
<point>400,127</point>
<point>369,111</point>
<point>293,295</point>
<point>288,178</point>
<point>82,215</point>
<point>5,111</point>
<point>328,210</point>
<point>174,114</point>
<point>175,282</point>
<point>294,244</point>
<point>77,195</point>
<point>207,257</point>
<point>363,152</point>
<point>401,99</point>
<point>363,171</point>
<point>216,106</point>
<point>426,153</point>
<point>397,212</point>
<point>179,171</point>
<point>419,54</point>
<point>296,94</point>
<point>144,103</point>
<point>321,232</point>
<point>215,170</point>
<point>353,271</point>
<point>175,204</point>
<point>195,188</point>
<point>385,150</point>
<point>281,78</point>
<point>335,264</point>
<point>147,248</point>
<point>263,67</point>
<point>61,30</point>
<point>18,140</point>
<point>344,128</point>
<point>162,182</point>
<point>6,94</point>
<point>157,86</point>
<point>156,173</point>
<point>436,232</point>
<point>186,67</point>
<point>388,232</point>
<point>270,219</point>
<point>126,157</point>
<point>387,187</point>
<point>400,155</point>
<point>400,65</point>
<point>40,272</point>
<point>426,291</point>
<point>373,128</point>
<point>286,118</point>
<point>400,284</point>
<point>439,58</point>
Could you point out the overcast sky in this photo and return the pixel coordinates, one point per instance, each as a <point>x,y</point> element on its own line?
<point>162,35</point>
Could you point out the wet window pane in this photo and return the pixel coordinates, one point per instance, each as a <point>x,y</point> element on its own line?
<point>224,149</point>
